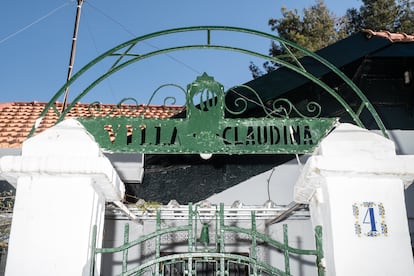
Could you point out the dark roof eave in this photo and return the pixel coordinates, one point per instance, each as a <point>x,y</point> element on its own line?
<point>340,54</point>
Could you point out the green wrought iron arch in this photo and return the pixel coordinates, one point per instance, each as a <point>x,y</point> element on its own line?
<point>126,57</point>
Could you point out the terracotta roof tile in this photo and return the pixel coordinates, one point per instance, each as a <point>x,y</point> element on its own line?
<point>394,37</point>
<point>17,118</point>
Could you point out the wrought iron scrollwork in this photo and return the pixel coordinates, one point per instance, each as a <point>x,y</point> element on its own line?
<point>284,108</point>
<point>131,105</point>
<point>95,108</point>
<point>279,108</point>
<point>168,100</point>
<point>241,101</point>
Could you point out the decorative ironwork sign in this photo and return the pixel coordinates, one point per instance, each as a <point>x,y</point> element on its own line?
<point>285,128</point>
<point>205,130</point>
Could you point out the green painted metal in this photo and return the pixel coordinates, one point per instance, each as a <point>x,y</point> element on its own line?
<point>205,130</point>
<point>93,251</point>
<point>216,253</point>
<point>319,250</point>
<point>125,56</point>
<point>125,252</point>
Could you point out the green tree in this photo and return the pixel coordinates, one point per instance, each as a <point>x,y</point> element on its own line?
<point>405,19</point>
<point>381,15</point>
<point>315,29</point>
<point>352,21</point>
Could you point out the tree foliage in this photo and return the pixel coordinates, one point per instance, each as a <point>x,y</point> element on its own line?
<point>314,30</point>
<point>316,27</point>
<point>382,15</point>
<point>405,19</point>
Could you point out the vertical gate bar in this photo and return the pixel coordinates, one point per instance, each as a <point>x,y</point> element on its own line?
<point>125,252</point>
<point>93,250</point>
<point>221,240</point>
<point>286,248</point>
<point>222,268</point>
<point>158,242</point>
<point>191,216</point>
<point>190,266</point>
<point>319,250</point>
<point>216,238</point>
<point>253,253</point>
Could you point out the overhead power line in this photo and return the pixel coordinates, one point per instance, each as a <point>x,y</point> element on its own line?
<point>191,68</point>
<point>35,22</point>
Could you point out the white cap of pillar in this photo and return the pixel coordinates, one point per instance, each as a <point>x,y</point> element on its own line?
<point>66,149</point>
<point>354,151</point>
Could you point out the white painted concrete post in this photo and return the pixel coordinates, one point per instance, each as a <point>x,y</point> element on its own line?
<point>63,181</point>
<point>354,184</point>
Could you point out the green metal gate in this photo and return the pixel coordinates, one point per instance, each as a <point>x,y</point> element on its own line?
<point>204,258</point>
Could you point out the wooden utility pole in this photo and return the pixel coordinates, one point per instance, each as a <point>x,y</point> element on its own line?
<point>72,52</point>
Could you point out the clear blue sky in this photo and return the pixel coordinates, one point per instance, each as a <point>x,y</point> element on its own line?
<point>35,41</point>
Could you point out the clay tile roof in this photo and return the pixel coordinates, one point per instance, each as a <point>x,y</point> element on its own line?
<point>17,118</point>
<point>394,37</point>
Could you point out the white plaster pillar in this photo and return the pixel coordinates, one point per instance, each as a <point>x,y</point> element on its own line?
<point>354,185</point>
<point>63,181</point>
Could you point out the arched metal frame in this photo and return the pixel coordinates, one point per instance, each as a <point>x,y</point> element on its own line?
<point>126,56</point>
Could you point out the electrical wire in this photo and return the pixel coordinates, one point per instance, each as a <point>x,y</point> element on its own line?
<point>144,42</point>
<point>268,183</point>
<point>191,68</point>
<point>107,80</point>
<point>36,21</point>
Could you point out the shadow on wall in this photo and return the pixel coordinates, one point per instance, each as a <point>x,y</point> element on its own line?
<point>188,178</point>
